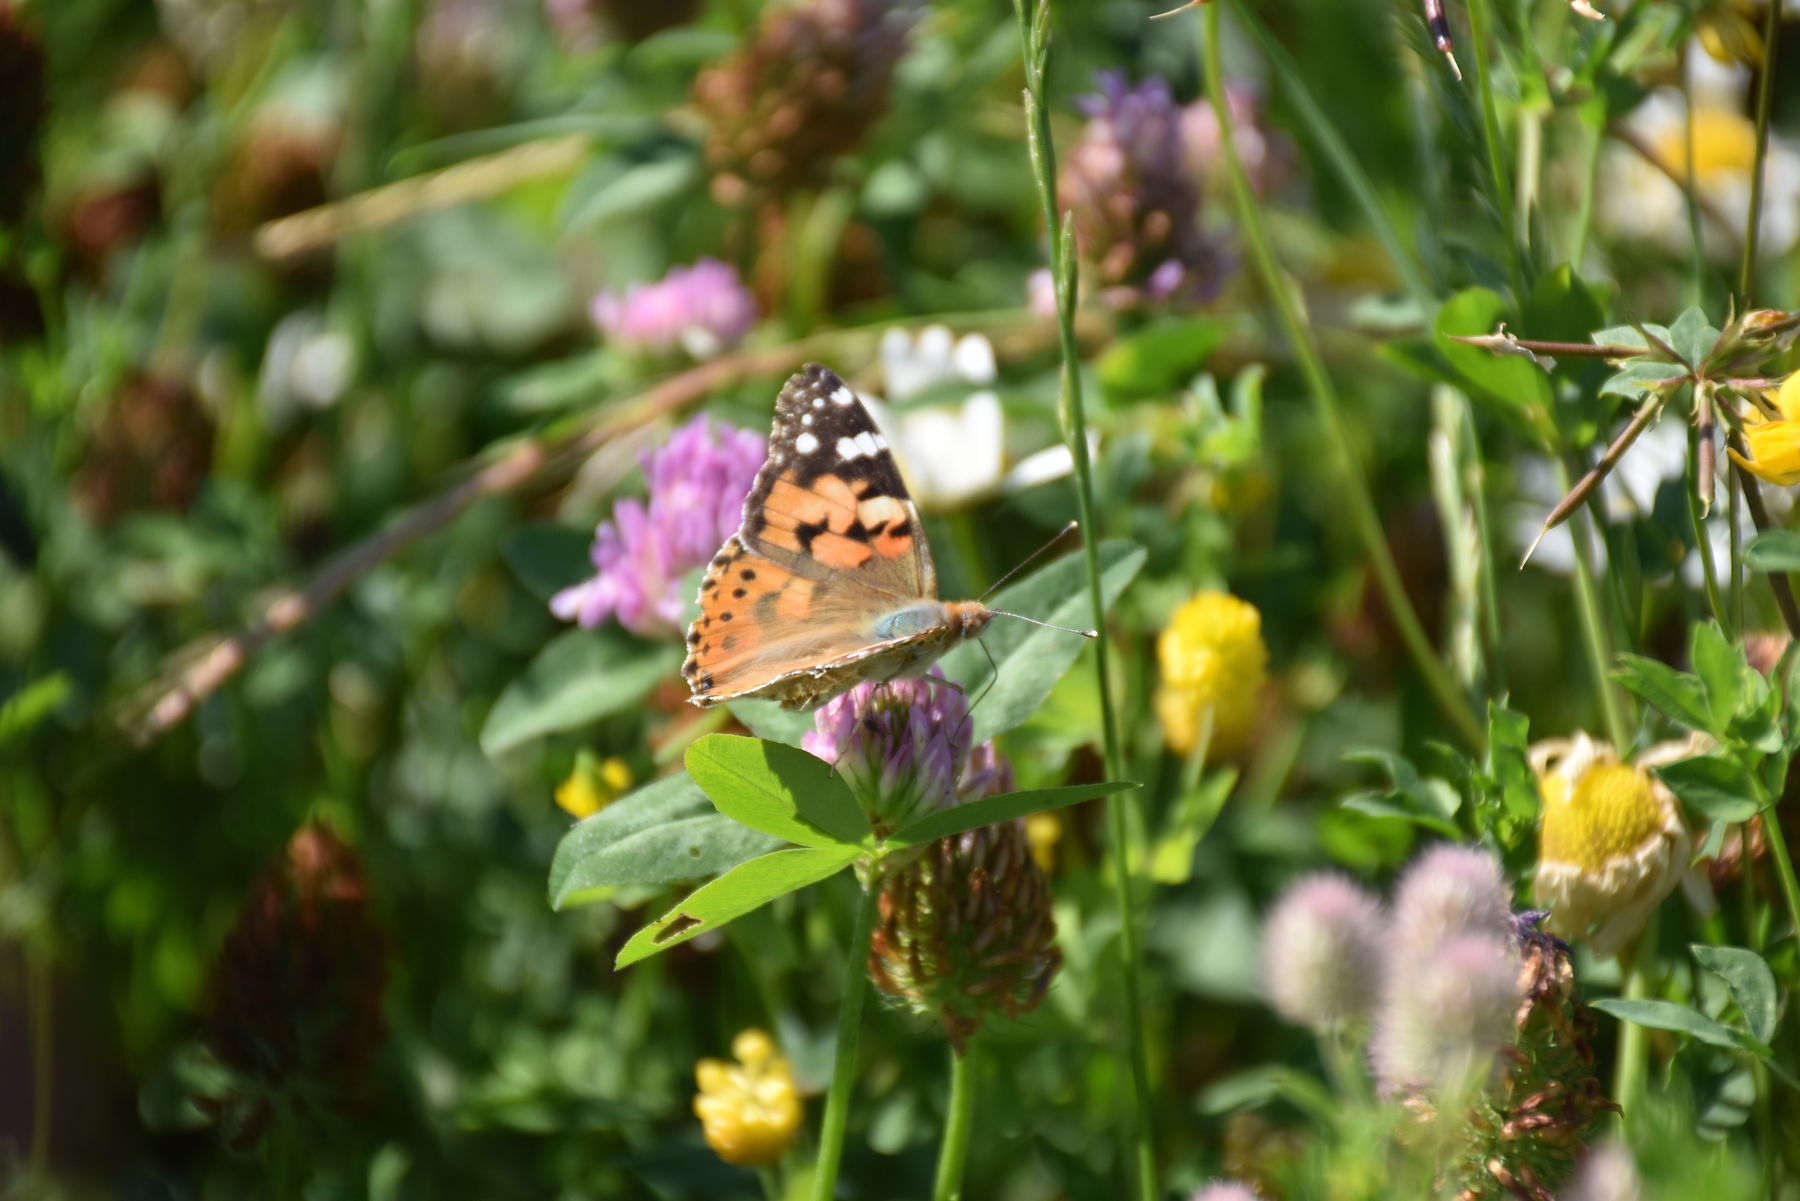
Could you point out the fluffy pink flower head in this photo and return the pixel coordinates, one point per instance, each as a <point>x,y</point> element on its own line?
<point>1321,952</point>
<point>1226,1190</point>
<point>901,745</point>
<point>703,310</point>
<point>1449,890</point>
<point>1606,1173</point>
<point>697,484</point>
<point>1446,1016</point>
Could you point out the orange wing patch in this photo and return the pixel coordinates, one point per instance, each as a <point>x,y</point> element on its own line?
<point>741,597</point>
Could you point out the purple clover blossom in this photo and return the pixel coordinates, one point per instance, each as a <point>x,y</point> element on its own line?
<point>901,745</point>
<point>704,310</point>
<point>697,483</point>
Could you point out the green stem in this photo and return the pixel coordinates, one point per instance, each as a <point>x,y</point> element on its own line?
<point>1593,626</point>
<point>43,1016</point>
<point>1481,40</point>
<point>1034,36</point>
<point>1714,600</point>
<point>1784,866</point>
<point>1634,1040</point>
<point>1765,92</point>
<point>958,1122</point>
<point>1360,507</point>
<point>843,1068</point>
<point>1590,166</point>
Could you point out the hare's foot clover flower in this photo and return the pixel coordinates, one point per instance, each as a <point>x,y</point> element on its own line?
<point>1447,1017</point>
<point>1322,953</point>
<point>702,310</point>
<point>1214,665</point>
<point>697,484</point>
<point>1611,845</point>
<point>1226,1190</point>
<point>749,1110</point>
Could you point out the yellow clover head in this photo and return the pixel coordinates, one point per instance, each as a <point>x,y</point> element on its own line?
<point>750,1110</point>
<point>1214,664</point>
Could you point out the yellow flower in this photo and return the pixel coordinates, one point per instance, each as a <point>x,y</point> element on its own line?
<point>1611,844</point>
<point>1730,31</point>
<point>593,785</point>
<point>749,1110</point>
<point>1775,441</point>
<point>1214,664</point>
<point>1044,831</point>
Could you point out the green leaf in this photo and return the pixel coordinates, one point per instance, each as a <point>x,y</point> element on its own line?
<point>1667,1015</point>
<point>1375,804</point>
<point>1004,807</point>
<point>580,677</point>
<point>1159,358</point>
<point>1561,308</point>
<point>1637,377</point>
<point>1716,788</point>
<point>1777,550</point>
<point>1510,384</point>
<point>1032,659</point>
<point>1719,665</point>
<point>778,789</point>
<point>663,832</point>
<point>1681,696</point>
<point>27,708</point>
<point>1751,982</point>
<point>767,719</point>
<point>548,558</point>
<point>1692,337</point>
<point>661,183</point>
<point>745,887</point>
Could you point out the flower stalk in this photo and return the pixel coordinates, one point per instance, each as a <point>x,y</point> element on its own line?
<point>1361,507</point>
<point>1034,38</point>
<point>959,1121</point>
<point>843,1067</point>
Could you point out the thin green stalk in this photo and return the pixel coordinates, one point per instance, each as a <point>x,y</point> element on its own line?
<point>1704,544</point>
<point>1482,40</point>
<point>1633,1066</point>
<point>1593,626</point>
<point>1690,191</point>
<point>1034,37</point>
<point>1357,501</point>
<point>1765,93</point>
<point>1734,492</point>
<point>1590,166</point>
<point>843,1068</point>
<point>1784,866</point>
<point>959,1120</point>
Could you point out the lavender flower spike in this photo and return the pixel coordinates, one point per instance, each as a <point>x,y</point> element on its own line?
<point>901,745</point>
<point>697,484</point>
<point>703,309</point>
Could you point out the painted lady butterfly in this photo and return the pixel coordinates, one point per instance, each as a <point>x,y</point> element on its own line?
<point>829,581</point>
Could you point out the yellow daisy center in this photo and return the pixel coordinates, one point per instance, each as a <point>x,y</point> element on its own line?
<point>1608,814</point>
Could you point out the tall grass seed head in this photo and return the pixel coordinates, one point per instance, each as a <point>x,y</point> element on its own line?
<point>1611,844</point>
<point>749,1110</point>
<point>1322,952</point>
<point>1214,665</point>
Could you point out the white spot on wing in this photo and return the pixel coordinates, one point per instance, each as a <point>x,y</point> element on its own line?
<point>806,444</point>
<point>847,448</point>
<point>843,395</point>
<point>806,419</point>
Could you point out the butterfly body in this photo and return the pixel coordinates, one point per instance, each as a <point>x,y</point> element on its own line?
<point>829,581</point>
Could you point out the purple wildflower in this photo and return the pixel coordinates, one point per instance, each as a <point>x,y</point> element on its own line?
<point>697,484</point>
<point>703,310</point>
<point>1322,952</point>
<point>1136,197</point>
<point>901,745</point>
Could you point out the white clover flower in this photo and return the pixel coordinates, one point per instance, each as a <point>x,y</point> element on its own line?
<point>953,455</point>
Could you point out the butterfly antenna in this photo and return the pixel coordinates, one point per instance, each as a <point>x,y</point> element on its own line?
<point>1034,621</point>
<point>1030,558</point>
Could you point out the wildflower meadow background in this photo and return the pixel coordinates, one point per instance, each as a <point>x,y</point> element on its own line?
<point>377,378</point>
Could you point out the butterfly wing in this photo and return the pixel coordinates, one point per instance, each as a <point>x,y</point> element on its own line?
<point>830,541</point>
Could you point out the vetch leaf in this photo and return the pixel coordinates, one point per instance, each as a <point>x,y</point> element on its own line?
<point>745,887</point>
<point>1681,696</point>
<point>1692,337</point>
<point>1032,659</point>
<point>1717,788</point>
<point>778,789</point>
<point>580,677</point>
<point>1717,662</point>
<point>989,810</point>
<point>1637,377</point>
<point>1777,550</point>
<point>1751,982</point>
<point>1667,1015</point>
<point>661,833</point>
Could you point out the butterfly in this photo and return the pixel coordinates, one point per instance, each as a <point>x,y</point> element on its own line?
<point>828,581</point>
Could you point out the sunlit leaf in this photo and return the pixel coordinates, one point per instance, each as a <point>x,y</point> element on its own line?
<point>745,887</point>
